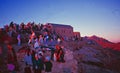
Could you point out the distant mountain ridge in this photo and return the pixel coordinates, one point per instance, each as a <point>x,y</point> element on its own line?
<point>104,42</point>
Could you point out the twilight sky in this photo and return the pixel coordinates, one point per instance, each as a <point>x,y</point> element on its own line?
<point>89,17</point>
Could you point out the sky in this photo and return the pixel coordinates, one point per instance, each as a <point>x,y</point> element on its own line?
<point>89,17</point>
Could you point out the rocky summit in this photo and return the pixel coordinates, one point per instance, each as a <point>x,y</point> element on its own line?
<point>68,55</point>
<point>81,57</point>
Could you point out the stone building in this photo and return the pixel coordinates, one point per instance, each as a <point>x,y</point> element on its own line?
<point>65,31</point>
<point>77,35</point>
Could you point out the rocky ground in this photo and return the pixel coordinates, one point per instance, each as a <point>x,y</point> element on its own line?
<point>82,58</point>
<point>70,66</point>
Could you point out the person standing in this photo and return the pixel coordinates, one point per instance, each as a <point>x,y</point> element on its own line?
<point>28,58</point>
<point>48,65</point>
<point>19,39</point>
<point>27,69</point>
<point>38,63</point>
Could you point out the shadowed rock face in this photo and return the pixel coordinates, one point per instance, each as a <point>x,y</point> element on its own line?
<point>94,60</point>
<point>90,58</point>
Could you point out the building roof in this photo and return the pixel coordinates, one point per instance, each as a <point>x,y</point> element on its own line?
<point>60,25</point>
<point>76,32</point>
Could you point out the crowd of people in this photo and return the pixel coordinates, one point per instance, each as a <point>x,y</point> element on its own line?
<point>43,47</point>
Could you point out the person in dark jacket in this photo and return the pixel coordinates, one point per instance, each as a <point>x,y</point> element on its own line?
<point>48,64</point>
<point>38,64</point>
<point>27,69</point>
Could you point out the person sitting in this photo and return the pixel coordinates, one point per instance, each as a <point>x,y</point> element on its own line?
<point>59,54</point>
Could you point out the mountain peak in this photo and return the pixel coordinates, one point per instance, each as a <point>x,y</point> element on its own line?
<point>99,39</point>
